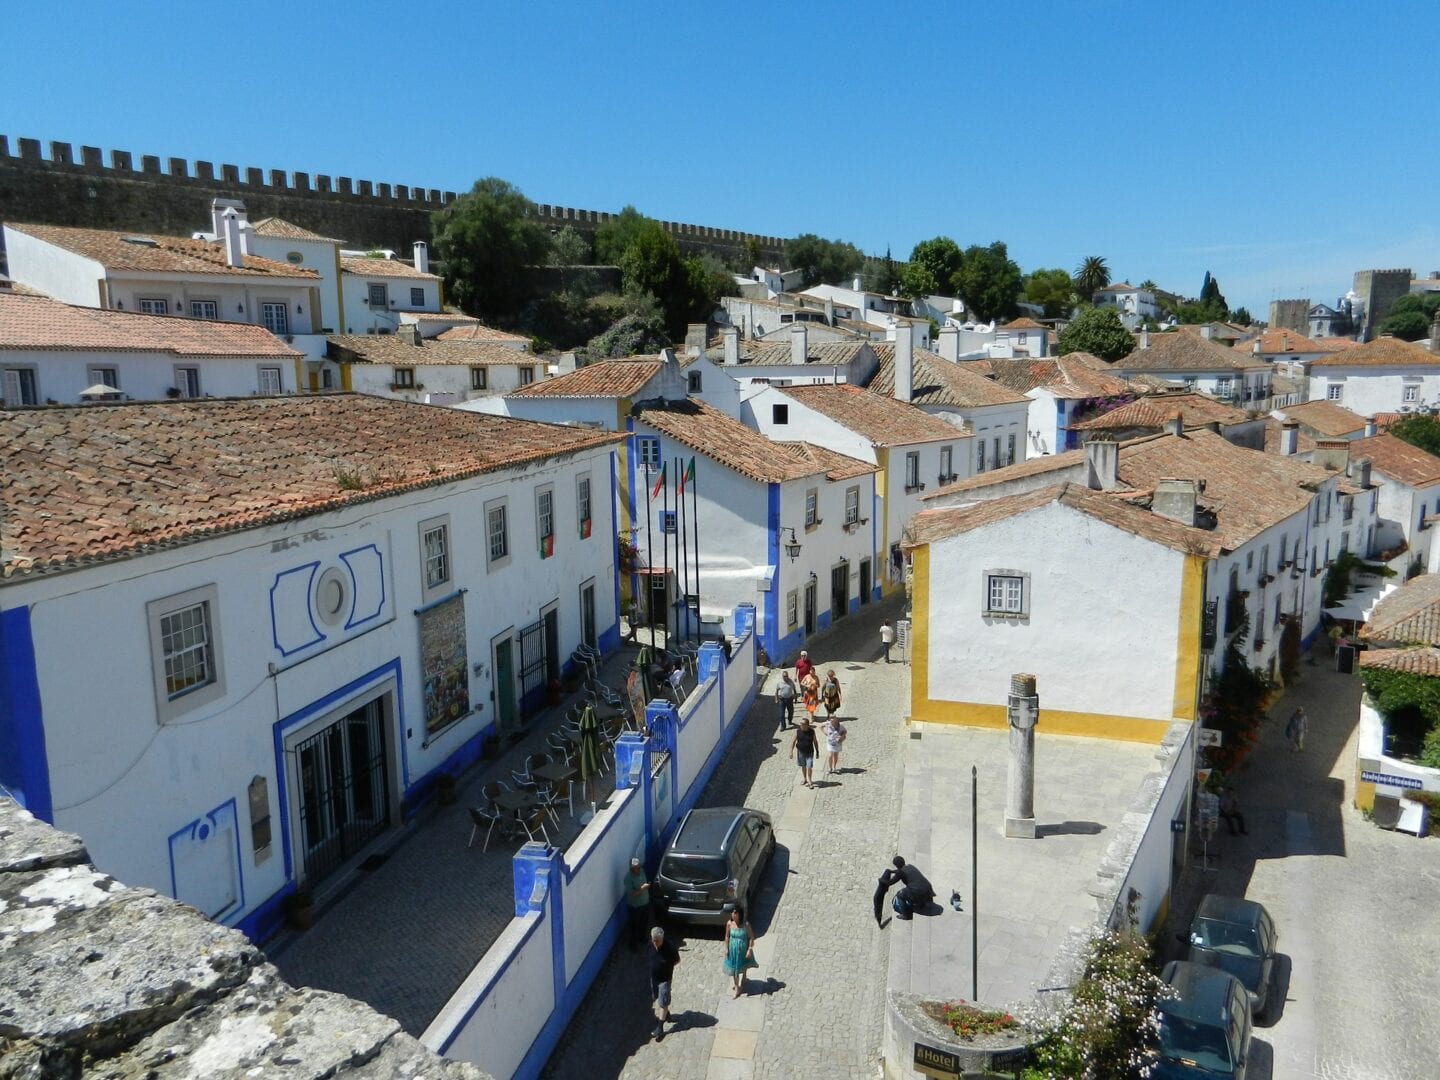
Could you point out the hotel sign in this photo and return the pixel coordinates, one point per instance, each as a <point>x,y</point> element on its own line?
<point>932,1061</point>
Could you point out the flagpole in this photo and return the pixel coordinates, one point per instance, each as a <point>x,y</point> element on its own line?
<point>695,526</point>
<point>649,558</point>
<point>665,543</point>
<point>684,541</point>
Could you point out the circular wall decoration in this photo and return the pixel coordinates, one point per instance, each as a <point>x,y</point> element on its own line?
<point>294,257</point>
<point>332,596</point>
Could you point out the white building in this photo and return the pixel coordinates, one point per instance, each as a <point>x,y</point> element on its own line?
<point>58,353</point>
<point>779,524</point>
<point>409,367</point>
<point>1286,346</point>
<point>1062,391</point>
<point>378,293</point>
<point>1153,414</point>
<point>797,360</point>
<point>1022,337</point>
<point>959,394</point>
<point>1384,375</point>
<point>1134,303</point>
<point>241,639</point>
<point>598,395</point>
<point>1408,480</point>
<point>911,449</point>
<point>1192,361</point>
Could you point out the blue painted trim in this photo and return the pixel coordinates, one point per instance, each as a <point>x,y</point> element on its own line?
<point>853,604</point>
<point>610,636</point>
<point>313,567</point>
<point>24,765</point>
<point>265,920</point>
<point>822,618</point>
<point>305,712</point>
<point>191,828</point>
<point>614,545</point>
<point>353,622</point>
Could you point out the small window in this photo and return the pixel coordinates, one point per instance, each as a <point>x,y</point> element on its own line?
<point>527,376</point>
<point>103,376</point>
<point>1249,560</point>
<point>405,377</point>
<point>780,414</point>
<point>150,306</point>
<point>852,505</point>
<point>792,609</point>
<point>417,297</point>
<point>185,645</point>
<point>647,452</point>
<point>379,294</point>
<point>947,463</point>
<point>1222,387</point>
<point>497,533</point>
<point>435,553</point>
<point>979,455</point>
<point>275,317</point>
<point>582,505</point>
<point>1007,593</point>
<point>479,379</point>
<point>667,522</point>
<point>693,382</point>
<point>204,309</point>
<point>1010,449</point>
<point>812,507</point>
<point>270,380</point>
<point>259,800</point>
<point>1411,393</point>
<point>187,381</point>
<point>545,521</point>
<point>912,471</point>
<point>1334,392</point>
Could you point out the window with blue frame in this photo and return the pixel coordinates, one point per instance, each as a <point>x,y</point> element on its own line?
<point>667,521</point>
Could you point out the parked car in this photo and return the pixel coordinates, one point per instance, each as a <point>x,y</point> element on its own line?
<point>1205,1027</point>
<point>1237,936</point>
<point>713,862</point>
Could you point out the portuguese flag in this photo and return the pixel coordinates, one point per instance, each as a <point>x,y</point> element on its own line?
<point>688,474</point>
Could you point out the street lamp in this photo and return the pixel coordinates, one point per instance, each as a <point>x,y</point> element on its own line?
<point>792,546</point>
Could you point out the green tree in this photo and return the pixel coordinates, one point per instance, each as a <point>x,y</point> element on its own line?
<point>1242,317</point>
<point>1148,283</point>
<point>1410,316</point>
<point>934,267</point>
<point>1091,276</point>
<point>1212,300</point>
<point>822,261</point>
<point>651,265</point>
<point>1052,290</point>
<point>1419,430</point>
<point>881,275</point>
<point>989,281</point>
<point>570,248</point>
<point>488,238</point>
<point>1099,332</point>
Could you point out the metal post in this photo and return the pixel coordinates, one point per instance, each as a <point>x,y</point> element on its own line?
<point>974,884</point>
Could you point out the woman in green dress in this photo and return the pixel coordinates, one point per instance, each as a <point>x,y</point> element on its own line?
<point>739,948</point>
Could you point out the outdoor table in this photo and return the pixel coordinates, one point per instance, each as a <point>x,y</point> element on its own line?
<point>517,802</point>
<point>560,773</point>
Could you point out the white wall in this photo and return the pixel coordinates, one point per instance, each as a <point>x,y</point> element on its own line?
<point>239,299</point>
<point>993,426</point>
<point>445,384</point>
<point>592,412</point>
<point>361,318</point>
<point>322,256</point>
<point>1088,653</point>
<point>1369,390</point>
<point>52,270</point>
<point>61,374</point>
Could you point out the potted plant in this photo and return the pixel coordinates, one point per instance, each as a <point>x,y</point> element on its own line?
<point>445,789</point>
<point>300,909</point>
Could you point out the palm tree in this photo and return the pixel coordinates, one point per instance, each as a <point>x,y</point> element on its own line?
<point>1091,276</point>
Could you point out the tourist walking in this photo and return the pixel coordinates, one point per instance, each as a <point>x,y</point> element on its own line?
<point>810,692</point>
<point>637,904</point>
<point>802,749</point>
<point>1295,730</point>
<point>785,698</point>
<point>887,638</point>
<point>834,733</point>
<point>803,666</point>
<point>830,694</point>
<point>739,949</point>
<point>663,957</point>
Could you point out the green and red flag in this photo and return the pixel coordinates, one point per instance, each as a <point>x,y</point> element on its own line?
<point>660,481</point>
<point>688,474</point>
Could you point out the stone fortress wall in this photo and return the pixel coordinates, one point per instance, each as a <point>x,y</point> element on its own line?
<point>173,198</point>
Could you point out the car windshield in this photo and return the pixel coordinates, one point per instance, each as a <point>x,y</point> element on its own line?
<point>1224,937</point>
<point>693,869</point>
<point>1193,1044</point>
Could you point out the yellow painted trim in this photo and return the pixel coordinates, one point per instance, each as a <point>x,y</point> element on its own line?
<point>339,296</point>
<point>1187,638</point>
<point>299,374</point>
<point>919,629</point>
<point>1364,792</point>
<point>1161,913</point>
<point>345,377</point>
<point>1052,721</point>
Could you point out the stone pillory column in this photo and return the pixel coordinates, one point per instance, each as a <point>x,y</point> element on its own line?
<point>1024,711</point>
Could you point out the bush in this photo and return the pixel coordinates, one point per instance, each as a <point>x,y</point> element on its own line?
<point>968,1020</point>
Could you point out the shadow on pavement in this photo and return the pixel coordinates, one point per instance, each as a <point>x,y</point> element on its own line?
<point>690,1020</point>
<point>761,987</point>
<point>1069,828</point>
<point>1260,1065</point>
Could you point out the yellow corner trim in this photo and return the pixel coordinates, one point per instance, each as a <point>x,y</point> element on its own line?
<point>1187,637</point>
<point>1052,721</point>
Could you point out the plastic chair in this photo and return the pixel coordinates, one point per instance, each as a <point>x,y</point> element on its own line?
<point>535,823</point>
<point>486,817</point>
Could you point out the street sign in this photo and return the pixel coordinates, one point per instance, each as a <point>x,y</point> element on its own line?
<point>934,1062</point>
<point>1209,736</point>
<point>1390,780</point>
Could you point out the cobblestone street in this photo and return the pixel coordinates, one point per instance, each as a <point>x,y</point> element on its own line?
<point>814,1007</point>
<point>1354,904</point>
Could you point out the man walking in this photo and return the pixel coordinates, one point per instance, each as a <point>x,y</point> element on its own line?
<point>1295,730</point>
<point>785,698</point>
<point>803,666</point>
<point>637,904</point>
<point>887,638</point>
<point>663,957</point>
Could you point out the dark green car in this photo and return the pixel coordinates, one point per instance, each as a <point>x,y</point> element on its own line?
<point>1204,1026</point>
<point>714,861</point>
<point>1237,936</point>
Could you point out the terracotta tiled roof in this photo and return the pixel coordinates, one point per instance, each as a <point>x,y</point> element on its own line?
<point>391,268</point>
<point>1124,286</point>
<point>1382,352</point>
<point>1068,377</point>
<point>1023,323</point>
<point>1034,466</point>
<point>1399,460</point>
<point>1410,614</point>
<point>470,330</point>
<point>1114,509</point>
<point>157,254</point>
<point>1423,661</point>
<point>286,230</point>
<point>1304,444</point>
<point>880,419</point>
<point>728,442</point>
<point>106,481</point>
<point>1325,418</point>
<point>605,379</point>
<point>397,350</point>
<point>1196,410</point>
<point>1384,420</point>
<point>1185,352</point>
<point>778,353</point>
<point>1280,342</point>
<point>936,381</point>
<point>1339,342</point>
<point>836,466</point>
<point>39,323</point>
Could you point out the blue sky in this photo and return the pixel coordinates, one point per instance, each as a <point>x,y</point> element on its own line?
<point>1279,146</point>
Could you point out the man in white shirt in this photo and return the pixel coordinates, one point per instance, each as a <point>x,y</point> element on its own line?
<point>887,638</point>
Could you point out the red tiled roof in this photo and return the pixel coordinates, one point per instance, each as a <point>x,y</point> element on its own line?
<point>1023,323</point>
<point>936,381</point>
<point>1382,352</point>
<point>1280,342</point>
<point>605,379</point>
<point>395,349</point>
<point>1304,444</point>
<point>41,324</point>
<point>1410,614</point>
<point>286,230</point>
<point>1034,466</point>
<point>1185,352</point>
<point>471,330</point>
<point>1422,661</point>
<point>779,353</point>
<point>1068,376</point>
<point>836,466</point>
<point>100,482</point>
<point>157,254</point>
<point>1325,418</point>
<point>729,442</point>
<point>880,419</point>
<point>391,268</point>
<point>1399,460</point>
<point>1196,410</point>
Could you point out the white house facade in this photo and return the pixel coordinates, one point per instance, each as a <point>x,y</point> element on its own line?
<point>1407,481</point>
<point>292,615</point>
<point>1384,375</point>
<point>409,367</point>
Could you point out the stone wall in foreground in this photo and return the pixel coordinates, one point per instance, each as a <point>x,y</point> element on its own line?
<point>103,980</point>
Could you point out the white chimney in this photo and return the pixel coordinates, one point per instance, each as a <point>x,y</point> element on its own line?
<point>1175,499</point>
<point>731,334</point>
<point>1369,426</point>
<point>1255,349</point>
<point>217,214</point>
<point>246,229</point>
<point>1102,464</point>
<point>799,351</point>
<point>950,343</point>
<point>230,235</point>
<point>1175,423</point>
<point>667,356</point>
<point>1206,331</point>
<point>1362,472</point>
<point>1289,437</point>
<point>1144,338</point>
<point>422,256</point>
<point>857,284</point>
<point>904,364</point>
<point>829,311</point>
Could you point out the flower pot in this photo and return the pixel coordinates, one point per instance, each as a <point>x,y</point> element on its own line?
<point>300,910</point>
